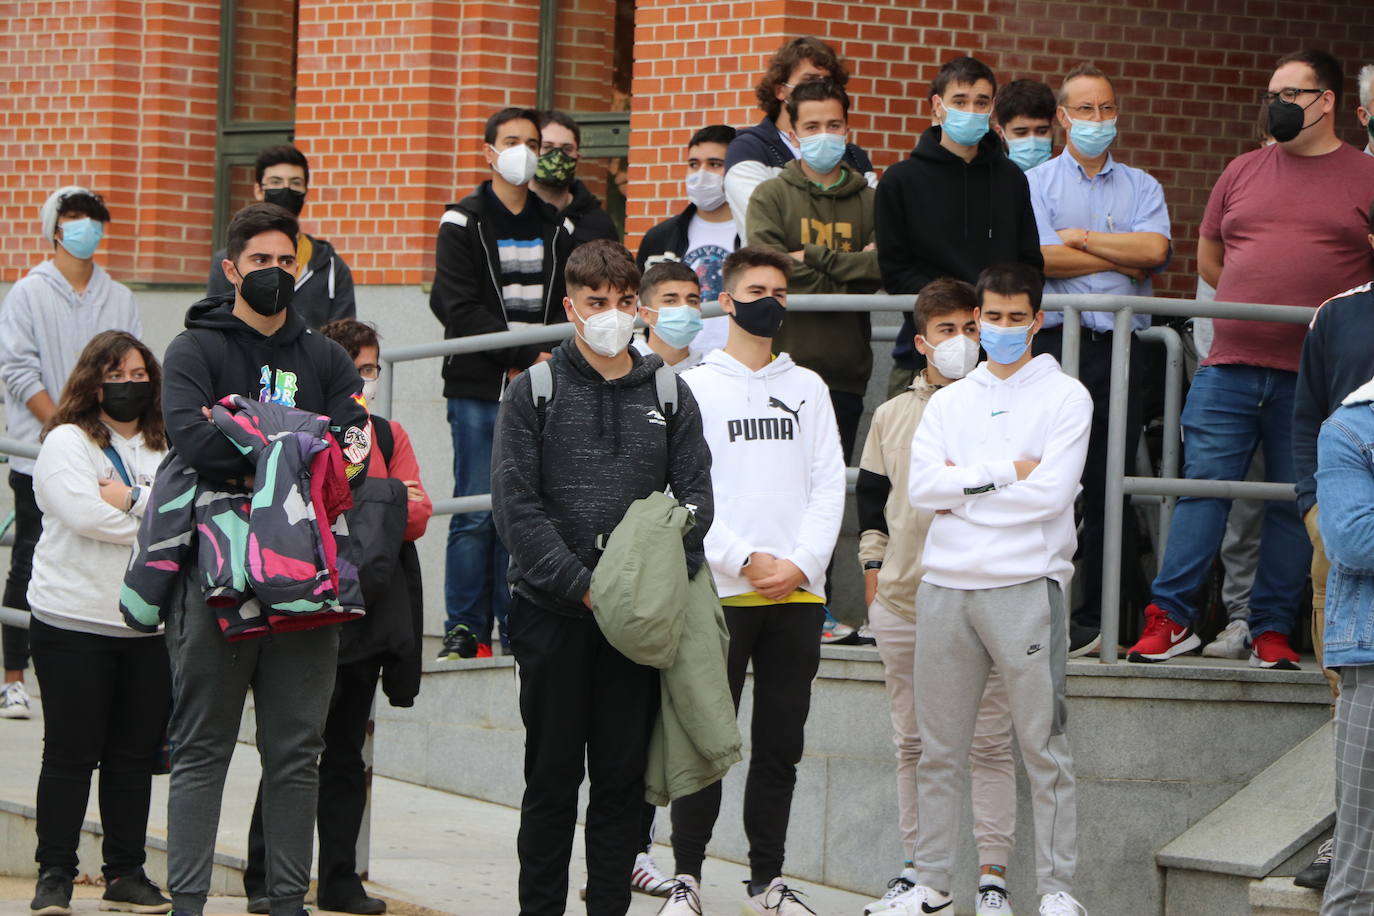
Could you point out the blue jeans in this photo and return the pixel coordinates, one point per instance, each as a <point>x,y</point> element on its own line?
<point>1231,411</point>
<point>475,589</point>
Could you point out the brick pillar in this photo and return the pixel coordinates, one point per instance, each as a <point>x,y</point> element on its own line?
<point>117,95</point>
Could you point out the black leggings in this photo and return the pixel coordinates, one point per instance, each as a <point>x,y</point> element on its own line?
<point>28,525</point>
<point>105,702</point>
<point>784,642</point>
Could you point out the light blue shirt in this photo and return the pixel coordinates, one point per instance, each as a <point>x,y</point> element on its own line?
<point>1117,199</point>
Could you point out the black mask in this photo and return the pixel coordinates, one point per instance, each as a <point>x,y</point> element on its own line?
<point>1285,119</point>
<point>126,401</point>
<point>762,317</point>
<point>268,290</point>
<point>289,198</point>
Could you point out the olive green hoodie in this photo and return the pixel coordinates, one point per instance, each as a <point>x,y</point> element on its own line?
<point>831,226</point>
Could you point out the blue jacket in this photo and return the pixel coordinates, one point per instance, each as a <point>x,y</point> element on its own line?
<point>1345,495</point>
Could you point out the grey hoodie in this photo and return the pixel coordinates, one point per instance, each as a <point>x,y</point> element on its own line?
<point>44,325</point>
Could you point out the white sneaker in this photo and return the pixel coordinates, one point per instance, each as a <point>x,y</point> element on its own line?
<point>922,900</point>
<point>647,879</point>
<point>897,891</point>
<point>684,897</point>
<point>777,900</point>
<point>1061,904</point>
<point>14,701</point>
<point>1232,642</point>
<point>992,901</point>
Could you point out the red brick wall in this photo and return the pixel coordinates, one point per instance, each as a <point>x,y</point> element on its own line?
<point>264,68</point>
<point>118,95</point>
<point>1187,72</point>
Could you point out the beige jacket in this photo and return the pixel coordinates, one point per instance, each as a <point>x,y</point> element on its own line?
<point>892,531</point>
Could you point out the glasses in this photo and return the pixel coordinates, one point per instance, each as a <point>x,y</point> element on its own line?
<point>295,184</point>
<point>1287,93</point>
<point>370,372</point>
<point>569,149</point>
<point>1083,112</point>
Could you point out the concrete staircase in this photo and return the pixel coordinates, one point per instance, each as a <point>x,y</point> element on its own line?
<point>1239,859</point>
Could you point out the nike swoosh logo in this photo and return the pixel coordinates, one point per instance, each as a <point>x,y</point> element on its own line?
<point>1175,638</point>
<point>998,413</point>
<point>1034,649</point>
<point>927,908</point>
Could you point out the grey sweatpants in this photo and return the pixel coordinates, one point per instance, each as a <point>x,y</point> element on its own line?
<point>1350,892</point>
<point>960,635</point>
<point>292,676</point>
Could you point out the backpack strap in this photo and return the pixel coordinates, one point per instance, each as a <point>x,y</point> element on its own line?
<point>385,438</point>
<point>541,388</point>
<point>665,389</point>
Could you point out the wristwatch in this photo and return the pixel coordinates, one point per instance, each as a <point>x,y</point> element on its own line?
<point>873,564</point>
<point>132,499</point>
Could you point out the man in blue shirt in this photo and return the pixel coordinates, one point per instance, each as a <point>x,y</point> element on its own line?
<point>1104,228</point>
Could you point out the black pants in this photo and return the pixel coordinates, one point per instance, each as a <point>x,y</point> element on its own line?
<point>343,792</point>
<point>784,643</point>
<point>1095,372</point>
<point>105,703</point>
<point>28,525</point>
<point>849,409</point>
<point>579,698</point>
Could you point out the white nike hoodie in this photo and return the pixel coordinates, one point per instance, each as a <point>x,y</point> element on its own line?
<point>996,530</point>
<point>776,467</point>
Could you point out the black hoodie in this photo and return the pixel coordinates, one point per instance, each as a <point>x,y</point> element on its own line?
<point>939,216</point>
<point>603,444</point>
<point>590,221</point>
<point>219,355</point>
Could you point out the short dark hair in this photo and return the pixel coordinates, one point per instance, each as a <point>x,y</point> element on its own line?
<point>1024,99</point>
<point>279,154</point>
<point>508,114</point>
<point>787,59</point>
<point>1077,70</point>
<point>255,219</point>
<point>562,119</point>
<point>751,256</point>
<point>940,297</point>
<point>352,335</point>
<point>817,91</point>
<point>1323,64</point>
<point>1012,279</point>
<point>666,272</point>
<point>966,70</point>
<point>714,133</point>
<point>601,262</point>
<point>84,203</point>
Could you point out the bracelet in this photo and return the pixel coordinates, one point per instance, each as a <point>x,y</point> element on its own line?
<point>1086,233</point>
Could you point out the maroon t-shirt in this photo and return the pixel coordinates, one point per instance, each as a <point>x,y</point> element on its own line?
<point>1296,233</point>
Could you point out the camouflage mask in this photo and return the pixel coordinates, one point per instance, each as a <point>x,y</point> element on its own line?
<point>555,169</point>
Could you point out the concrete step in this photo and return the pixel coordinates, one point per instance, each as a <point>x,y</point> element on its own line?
<point>1280,897</point>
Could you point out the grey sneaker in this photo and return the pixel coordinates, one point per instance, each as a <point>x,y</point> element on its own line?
<point>1232,642</point>
<point>14,701</point>
<point>52,896</point>
<point>134,894</point>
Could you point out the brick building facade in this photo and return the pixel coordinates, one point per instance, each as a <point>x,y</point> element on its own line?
<point>157,104</point>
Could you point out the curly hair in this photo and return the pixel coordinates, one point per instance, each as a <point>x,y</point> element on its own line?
<point>352,335</point>
<point>787,59</point>
<point>80,404</point>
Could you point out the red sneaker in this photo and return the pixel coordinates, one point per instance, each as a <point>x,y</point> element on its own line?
<point>1271,650</point>
<point>1162,639</point>
<point>483,650</point>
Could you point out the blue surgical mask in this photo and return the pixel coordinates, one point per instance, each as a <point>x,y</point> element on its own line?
<point>1004,345</point>
<point>678,325</point>
<point>822,151</point>
<point>1028,152</point>
<point>1092,137</point>
<point>82,236</point>
<point>965,127</point>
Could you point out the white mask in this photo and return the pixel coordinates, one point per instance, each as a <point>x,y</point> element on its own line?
<point>706,189</point>
<point>956,357</point>
<point>516,164</point>
<point>369,391</point>
<point>607,332</point>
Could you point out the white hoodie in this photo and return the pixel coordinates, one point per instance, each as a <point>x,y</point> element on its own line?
<point>776,467</point>
<point>79,563</point>
<point>997,530</point>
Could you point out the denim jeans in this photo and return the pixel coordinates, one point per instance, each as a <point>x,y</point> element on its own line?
<point>475,589</point>
<point>1232,410</point>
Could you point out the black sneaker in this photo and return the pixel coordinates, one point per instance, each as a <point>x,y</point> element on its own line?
<point>459,643</point>
<point>1083,640</point>
<point>134,894</point>
<point>52,895</point>
<point>1316,875</point>
<point>362,905</point>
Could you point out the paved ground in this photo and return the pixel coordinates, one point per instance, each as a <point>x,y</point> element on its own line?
<point>431,849</point>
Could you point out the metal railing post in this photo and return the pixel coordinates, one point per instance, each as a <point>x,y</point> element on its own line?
<point>384,388</point>
<point>1113,513</point>
<point>1171,447</point>
<point>1072,335</point>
